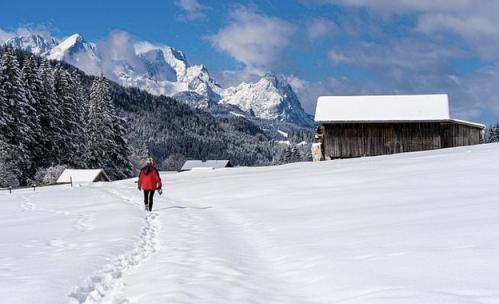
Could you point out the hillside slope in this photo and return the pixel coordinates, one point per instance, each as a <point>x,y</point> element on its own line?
<point>407,228</point>
<point>157,126</point>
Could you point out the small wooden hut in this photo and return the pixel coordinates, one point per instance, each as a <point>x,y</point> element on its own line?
<point>355,126</point>
<point>83,176</point>
<point>206,164</point>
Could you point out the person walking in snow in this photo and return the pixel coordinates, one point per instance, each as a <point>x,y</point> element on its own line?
<point>149,181</point>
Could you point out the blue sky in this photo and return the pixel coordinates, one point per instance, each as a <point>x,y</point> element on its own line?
<point>321,46</point>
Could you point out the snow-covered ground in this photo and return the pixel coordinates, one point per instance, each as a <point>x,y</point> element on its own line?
<point>408,228</point>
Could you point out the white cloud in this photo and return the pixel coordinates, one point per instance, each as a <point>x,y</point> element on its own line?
<point>407,53</point>
<point>481,34</point>
<point>309,91</point>
<point>192,8</point>
<point>119,47</point>
<point>253,39</point>
<point>321,28</point>
<point>338,58</point>
<point>230,78</point>
<point>41,30</point>
<point>468,26</point>
<point>399,6</point>
<point>481,91</point>
<point>412,66</point>
<point>474,21</point>
<point>4,36</point>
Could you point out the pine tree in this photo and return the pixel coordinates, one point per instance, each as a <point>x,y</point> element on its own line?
<point>9,172</point>
<point>64,122</point>
<point>121,152</point>
<point>291,155</point>
<point>14,95</point>
<point>107,145</point>
<point>17,129</point>
<point>49,112</point>
<point>71,138</point>
<point>100,124</point>
<point>6,118</point>
<point>34,86</point>
<point>493,133</point>
<point>81,113</point>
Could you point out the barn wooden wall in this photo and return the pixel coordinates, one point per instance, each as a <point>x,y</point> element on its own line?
<point>456,135</point>
<point>355,140</point>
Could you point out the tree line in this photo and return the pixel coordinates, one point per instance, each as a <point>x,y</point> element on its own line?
<point>48,118</point>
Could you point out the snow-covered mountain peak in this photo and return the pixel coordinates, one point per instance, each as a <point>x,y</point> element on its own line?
<point>156,66</point>
<point>72,40</point>
<point>33,43</point>
<point>175,54</point>
<point>69,46</point>
<point>78,52</point>
<point>271,98</point>
<point>174,58</point>
<point>275,79</point>
<point>168,64</point>
<point>276,82</point>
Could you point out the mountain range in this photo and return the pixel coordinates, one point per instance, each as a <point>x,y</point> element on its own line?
<point>163,70</point>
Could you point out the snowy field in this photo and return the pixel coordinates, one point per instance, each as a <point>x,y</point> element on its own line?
<point>408,228</point>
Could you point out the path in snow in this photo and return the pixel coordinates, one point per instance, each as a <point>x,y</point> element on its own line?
<point>208,256</point>
<point>105,285</point>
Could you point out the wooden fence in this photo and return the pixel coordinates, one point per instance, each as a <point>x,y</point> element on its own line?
<point>34,186</point>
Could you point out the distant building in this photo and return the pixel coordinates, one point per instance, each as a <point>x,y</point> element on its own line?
<point>83,175</point>
<point>205,164</point>
<point>355,126</point>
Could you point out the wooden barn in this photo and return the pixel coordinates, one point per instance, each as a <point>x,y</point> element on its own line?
<point>355,126</point>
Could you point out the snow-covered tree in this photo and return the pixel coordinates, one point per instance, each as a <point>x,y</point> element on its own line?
<point>5,116</point>
<point>71,139</point>
<point>291,155</point>
<point>106,136</point>
<point>81,114</point>
<point>15,98</point>
<point>17,127</point>
<point>65,101</point>
<point>34,91</point>
<point>493,133</point>
<point>121,152</point>
<point>100,126</point>
<point>173,162</point>
<point>48,176</point>
<point>9,170</point>
<point>49,113</point>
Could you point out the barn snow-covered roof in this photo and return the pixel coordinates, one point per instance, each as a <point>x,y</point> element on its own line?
<point>81,175</point>
<point>213,164</point>
<point>382,108</point>
<point>386,108</point>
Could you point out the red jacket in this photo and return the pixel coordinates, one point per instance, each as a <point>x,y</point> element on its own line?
<point>149,179</point>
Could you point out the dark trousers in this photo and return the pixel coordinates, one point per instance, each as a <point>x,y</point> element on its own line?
<point>148,196</point>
